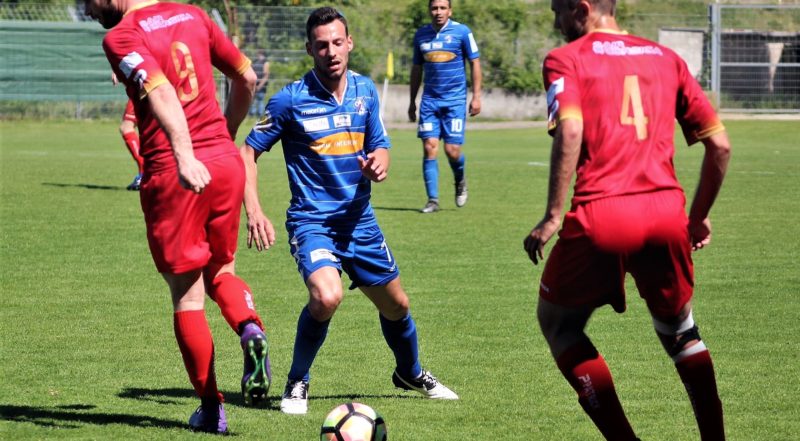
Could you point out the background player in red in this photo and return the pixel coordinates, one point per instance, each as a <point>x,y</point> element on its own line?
<point>612,100</point>
<point>127,128</point>
<point>193,182</point>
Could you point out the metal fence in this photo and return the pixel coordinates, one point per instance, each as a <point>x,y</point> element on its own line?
<point>756,57</point>
<point>747,56</point>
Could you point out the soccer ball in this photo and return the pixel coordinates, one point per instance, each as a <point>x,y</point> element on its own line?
<point>353,422</point>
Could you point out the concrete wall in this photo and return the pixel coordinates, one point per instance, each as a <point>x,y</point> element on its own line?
<point>495,104</point>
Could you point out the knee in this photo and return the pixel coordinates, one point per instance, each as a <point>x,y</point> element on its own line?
<point>680,338</point>
<point>324,302</point>
<point>398,309</point>
<point>431,148</point>
<point>453,151</point>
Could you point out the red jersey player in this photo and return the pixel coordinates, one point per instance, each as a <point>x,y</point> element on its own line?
<point>127,128</point>
<point>193,183</point>
<point>613,99</point>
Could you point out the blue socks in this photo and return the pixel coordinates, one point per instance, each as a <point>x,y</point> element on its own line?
<point>310,336</point>
<point>458,168</point>
<point>430,173</point>
<point>401,335</point>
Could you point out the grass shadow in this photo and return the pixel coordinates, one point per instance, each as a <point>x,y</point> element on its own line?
<point>74,416</point>
<point>86,186</point>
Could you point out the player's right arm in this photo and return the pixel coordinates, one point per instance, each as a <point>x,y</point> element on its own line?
<point>266,132</point>
<point>415,80</point>
<point>259,228</point>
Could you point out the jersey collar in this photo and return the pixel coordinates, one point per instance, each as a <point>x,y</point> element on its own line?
<point>610,31</point>
<point>346,85</point>
<point>141,5</point>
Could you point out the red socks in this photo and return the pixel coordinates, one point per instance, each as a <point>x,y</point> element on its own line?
<point>197,348</point>
<point>235,300</point>
<point>697,373</point>
<point>132,142</point>
<point>588,374</point>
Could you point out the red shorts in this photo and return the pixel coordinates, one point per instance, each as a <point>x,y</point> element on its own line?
<point>645,235</point>
<point>130,114</point>
<point>187,231</point>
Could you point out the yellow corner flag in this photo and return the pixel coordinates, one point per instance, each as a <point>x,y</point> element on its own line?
<point>390,65</point>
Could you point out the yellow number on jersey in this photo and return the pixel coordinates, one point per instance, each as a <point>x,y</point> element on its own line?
<point>632,97</point>
<point>181,51</point>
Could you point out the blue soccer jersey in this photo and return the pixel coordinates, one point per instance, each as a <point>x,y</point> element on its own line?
<point>322,140</point>
<point>442,55</point>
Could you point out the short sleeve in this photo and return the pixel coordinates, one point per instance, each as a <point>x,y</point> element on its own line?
<point>132,62</point>
<point>375,135</point>
<point>563,90</point>
<point>694,111</point>
<point>469,45</point>
<point>269,128</point>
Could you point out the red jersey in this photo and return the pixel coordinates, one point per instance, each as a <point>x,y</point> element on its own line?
<point>176,43</point>
<point>628,91</point>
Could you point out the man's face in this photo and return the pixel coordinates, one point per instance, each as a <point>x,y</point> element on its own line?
<point>104,11</point>
<point>330,47</point>
<point>440,12</point>
<point>566,20</point>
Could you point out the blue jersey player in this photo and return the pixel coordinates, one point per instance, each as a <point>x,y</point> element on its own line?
<point>335,145</point>
<point>441,50</point>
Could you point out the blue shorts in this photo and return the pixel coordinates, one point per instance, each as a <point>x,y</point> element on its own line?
<point>442,119</point>
<point>361,253</point>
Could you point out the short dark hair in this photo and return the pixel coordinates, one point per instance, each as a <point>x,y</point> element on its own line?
<point>604,6</point>
<point>322,16</point>
<point>449,3</point>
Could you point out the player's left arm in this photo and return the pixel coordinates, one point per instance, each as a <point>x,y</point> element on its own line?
<point>700,122</point>
<point>375,164</point>
<point>471,53</point>
<point>712,173</point>
<point>477,77</point>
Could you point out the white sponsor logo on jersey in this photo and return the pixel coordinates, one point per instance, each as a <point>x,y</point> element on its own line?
<point>341,121</point>
<point>316,125</point>
<point>157,22</point>
<point>437,44</point>
<point>314,111</point>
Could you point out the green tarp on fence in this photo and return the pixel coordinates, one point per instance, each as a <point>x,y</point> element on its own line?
<point>51,61</point>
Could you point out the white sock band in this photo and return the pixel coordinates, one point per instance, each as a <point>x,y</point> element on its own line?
<point>674,328</point>
<point>688,352</point>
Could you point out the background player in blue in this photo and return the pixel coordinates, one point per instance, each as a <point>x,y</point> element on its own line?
<point>334,144</point>
<point>442,48</point>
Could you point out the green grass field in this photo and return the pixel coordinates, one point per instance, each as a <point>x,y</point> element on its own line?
<point>87,349</point>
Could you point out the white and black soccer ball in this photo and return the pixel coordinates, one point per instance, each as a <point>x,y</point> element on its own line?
<point>353,422</point>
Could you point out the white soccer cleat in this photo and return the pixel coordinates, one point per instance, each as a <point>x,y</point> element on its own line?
<point>295,398</point>
<point>461,192</point>
<point>426,384</point>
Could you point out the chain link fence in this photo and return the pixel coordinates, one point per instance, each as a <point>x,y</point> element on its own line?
<point>747,56</point>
